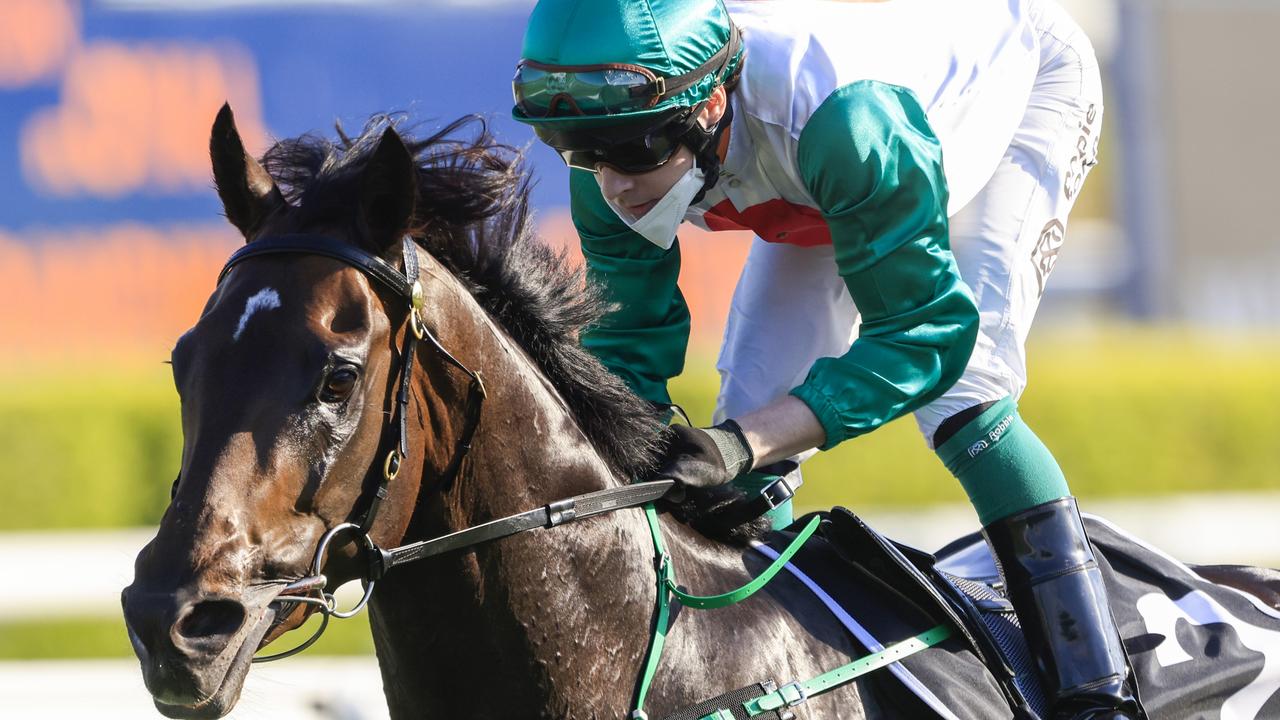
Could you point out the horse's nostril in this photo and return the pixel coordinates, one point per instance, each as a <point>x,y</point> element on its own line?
<point>212,618</point>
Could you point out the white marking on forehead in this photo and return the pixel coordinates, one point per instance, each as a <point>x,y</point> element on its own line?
<point>264,299</point>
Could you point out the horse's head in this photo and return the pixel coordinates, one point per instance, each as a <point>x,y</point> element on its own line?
<point>286,385</point>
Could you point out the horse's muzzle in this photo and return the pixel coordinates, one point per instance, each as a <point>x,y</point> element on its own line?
<point>194,648</point>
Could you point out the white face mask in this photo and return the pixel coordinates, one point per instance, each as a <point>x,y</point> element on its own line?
<point>658,226</point>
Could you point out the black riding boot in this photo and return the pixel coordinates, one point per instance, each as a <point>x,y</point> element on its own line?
<point>1056,589</point>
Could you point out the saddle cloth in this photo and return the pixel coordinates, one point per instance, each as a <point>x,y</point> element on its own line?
<point>1199,650</point>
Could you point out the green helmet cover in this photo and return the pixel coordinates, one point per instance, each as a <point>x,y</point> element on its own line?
<point>669,37</point>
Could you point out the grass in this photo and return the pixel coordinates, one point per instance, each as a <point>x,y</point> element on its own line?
<point>104,637</point>
<point>87,448</point>
<point>1127,412</point>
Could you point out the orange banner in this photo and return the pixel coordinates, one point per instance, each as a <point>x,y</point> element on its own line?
<point>130,290</point>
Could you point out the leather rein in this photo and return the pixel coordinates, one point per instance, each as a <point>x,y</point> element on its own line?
<point>311,590</point>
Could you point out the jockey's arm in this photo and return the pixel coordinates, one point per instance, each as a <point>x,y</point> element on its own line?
<point>783,428</point>
<point>643,336</point>
<point>872,163</point>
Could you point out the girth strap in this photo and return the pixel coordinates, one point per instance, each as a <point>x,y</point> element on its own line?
<point>794,693</point>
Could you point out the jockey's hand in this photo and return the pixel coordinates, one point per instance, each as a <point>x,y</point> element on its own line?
<point>703,457</point>
<point>702,462</point>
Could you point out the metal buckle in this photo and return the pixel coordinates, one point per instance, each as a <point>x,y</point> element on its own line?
<point>415,324</point>
<point>417,298</point>
<point>560,512</point>
<point>792,694</point>
<point>777,492</point>
<point>662,566</point>
<point>417,301</point>
<point>391,466</point>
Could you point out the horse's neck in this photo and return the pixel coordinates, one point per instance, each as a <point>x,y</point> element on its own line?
<point>555,623</point>
<point>528,428</point>
<point>537,609</point>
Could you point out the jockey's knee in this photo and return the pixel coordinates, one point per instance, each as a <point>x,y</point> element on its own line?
<point>953,424</point>
<point>1002,465</point>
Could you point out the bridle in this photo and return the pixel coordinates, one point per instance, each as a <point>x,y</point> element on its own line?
<point>406,286</point>
<point>311,590</point>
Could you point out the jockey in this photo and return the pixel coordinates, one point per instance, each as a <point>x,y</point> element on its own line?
<point>907,168</point>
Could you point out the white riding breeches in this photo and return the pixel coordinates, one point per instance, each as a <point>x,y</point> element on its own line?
<point>791,307</point>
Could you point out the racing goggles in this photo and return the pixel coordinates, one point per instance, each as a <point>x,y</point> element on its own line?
<point>631,150</point>
<point>542,90</point>
<point>546,90</point>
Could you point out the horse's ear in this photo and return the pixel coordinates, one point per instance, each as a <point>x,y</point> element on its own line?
<point>388,190</point>
<point>248,192</point>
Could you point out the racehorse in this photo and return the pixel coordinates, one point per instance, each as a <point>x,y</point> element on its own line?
<point>286,383</point>
<point>330,338</point>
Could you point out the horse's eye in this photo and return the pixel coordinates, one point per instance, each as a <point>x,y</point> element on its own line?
<point>339,384</point>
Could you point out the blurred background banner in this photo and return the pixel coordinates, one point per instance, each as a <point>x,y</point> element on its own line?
<point>1198,101</point>
<point>1153,365</point>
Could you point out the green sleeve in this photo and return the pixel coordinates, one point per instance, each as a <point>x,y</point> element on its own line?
<point>872,163</point>
<point>643,336</point>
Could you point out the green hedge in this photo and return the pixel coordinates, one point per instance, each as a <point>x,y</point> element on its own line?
<point>1132,412</point>
<point>87,447</point>
<point>1127,412</point>
<point>106,637</point>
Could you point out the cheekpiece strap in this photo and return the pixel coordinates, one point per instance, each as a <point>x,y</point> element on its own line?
<point>395,456</point>
<point>410,250</point>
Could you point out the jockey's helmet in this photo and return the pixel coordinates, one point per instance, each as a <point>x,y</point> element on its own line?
<point>629,75</point>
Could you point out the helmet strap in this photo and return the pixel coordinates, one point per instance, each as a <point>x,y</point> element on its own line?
<point>704,142</point>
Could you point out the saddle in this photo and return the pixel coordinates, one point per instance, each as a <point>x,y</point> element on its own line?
<point>1197,648</point>
<point>897,589</point>
<point>892,592</point>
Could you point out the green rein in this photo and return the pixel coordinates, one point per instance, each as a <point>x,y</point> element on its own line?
<point>789,695</point>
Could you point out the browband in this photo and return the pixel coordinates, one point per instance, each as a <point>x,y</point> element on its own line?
<point>307,244</point>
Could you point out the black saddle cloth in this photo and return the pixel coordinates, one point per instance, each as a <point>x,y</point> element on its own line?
<point>891,591</point>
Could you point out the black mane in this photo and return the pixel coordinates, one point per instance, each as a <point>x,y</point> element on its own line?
<point>472,215</point>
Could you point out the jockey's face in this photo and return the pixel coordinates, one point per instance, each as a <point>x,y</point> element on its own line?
<point>637,193</point>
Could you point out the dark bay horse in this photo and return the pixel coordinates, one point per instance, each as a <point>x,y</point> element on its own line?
<point>290,384</point>
<point>286,383</point>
